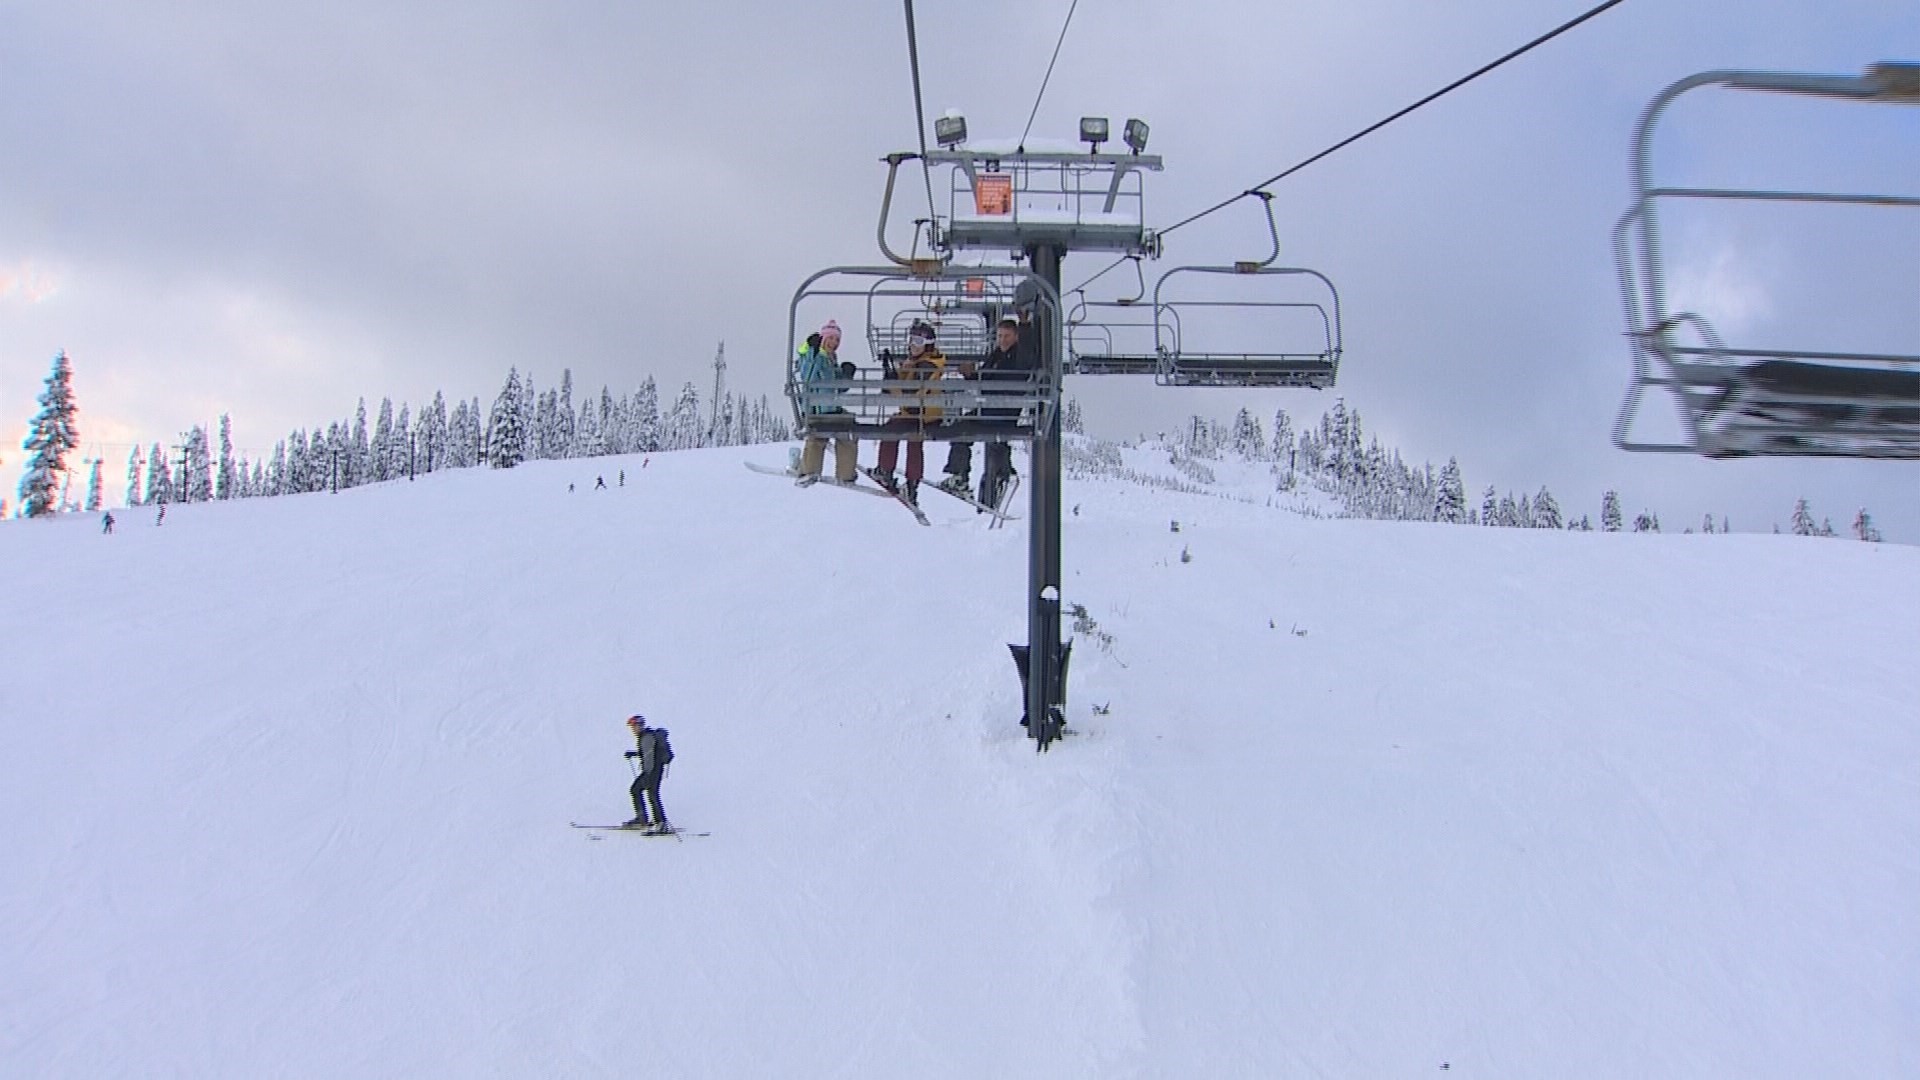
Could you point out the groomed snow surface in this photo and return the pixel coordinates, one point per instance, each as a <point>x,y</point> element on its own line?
<point>285,785</point>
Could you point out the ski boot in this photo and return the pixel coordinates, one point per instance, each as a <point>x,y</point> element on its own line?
<point>886,480</point>
<point>808,480</point>
<point>956,483</point>
<point>636,823</point>
<point>913,492</point>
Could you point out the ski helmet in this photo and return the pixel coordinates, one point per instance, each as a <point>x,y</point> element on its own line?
<point>636,720</point>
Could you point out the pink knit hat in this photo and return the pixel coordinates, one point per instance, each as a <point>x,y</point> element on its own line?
<point>831,329</point>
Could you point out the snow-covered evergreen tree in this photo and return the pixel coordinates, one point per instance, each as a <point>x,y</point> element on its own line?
<point>1071,422</point>
<point>1546,512</point>
<point>1490,507</point>
<point>159,478</point>
<point>540,434</point>
<point>1863,528</point>
<point>401,462</point>
<point>683,421</point>
<point>461,439</point>
<point>563,415</point>
<point>380,458</point>
<point>1450,505</point>
<point>1610,517</point>
<point>51,437</point>
<point>431,429</point>
<point>224,476</point>
<point>133,478</point>
<point>1803,519</point>
<point>357,465</point>
<point>94,494</point>
<point>1282,444</point>
<point>299,478</point>
<point>198,486</point>
<point>1247,439</point>
<point>586,431</point>
<point>506,438</point>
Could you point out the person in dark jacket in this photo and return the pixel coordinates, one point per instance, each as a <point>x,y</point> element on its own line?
<point>1010,362</point>
<point>646,786</point>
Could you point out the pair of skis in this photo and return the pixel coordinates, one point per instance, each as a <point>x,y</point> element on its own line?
<point>878,488</point>
<point>898,494</point>
<point>1000,515</point>
<point>643,830</point>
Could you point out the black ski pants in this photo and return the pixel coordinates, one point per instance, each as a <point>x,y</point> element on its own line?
<point>645,790</point>
<point>999,470</point>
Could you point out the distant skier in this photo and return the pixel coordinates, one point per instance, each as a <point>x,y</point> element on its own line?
<point>654,754</point>
<point>106,523</point>
<point>599,483</point>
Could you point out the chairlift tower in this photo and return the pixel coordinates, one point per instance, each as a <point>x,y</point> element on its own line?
<point>1013,214</point>
<point>1045,205</point>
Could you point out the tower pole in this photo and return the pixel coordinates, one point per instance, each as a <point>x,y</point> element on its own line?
<point>1046,684</point>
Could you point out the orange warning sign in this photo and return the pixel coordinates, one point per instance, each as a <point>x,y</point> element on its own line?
<point>993,194</point>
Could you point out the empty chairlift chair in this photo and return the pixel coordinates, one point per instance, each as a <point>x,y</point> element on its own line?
<point>1113,337</point>
<point>1737,400</point>
<point>1296,325</point>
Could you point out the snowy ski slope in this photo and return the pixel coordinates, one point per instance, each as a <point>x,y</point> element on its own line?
<point>285,790</point>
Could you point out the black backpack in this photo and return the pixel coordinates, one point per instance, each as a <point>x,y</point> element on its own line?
<point>663,750</point>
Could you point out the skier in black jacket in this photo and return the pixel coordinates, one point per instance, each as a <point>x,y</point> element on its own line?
<point>653,755</point>
<point>1010,362</point>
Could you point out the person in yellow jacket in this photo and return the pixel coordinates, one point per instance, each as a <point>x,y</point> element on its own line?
<point>923,365</point>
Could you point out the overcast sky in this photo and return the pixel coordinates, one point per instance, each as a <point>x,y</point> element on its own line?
<point>273,210</point>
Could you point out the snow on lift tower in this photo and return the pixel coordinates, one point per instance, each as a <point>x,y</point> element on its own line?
<point>1740,400</point>
<point>1296,316</point>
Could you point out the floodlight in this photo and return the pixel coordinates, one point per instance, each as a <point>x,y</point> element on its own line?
<point>1136,135</point>
<point>950,130</point>
<point>1093,130</point>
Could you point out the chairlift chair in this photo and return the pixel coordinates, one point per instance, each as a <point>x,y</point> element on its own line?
<point>1312,359</point>
<point>1100,331</point>
<point>1741,401</point>
<point>870,405</point>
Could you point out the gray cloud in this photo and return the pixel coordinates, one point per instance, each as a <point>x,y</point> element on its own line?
<point>275,213</point>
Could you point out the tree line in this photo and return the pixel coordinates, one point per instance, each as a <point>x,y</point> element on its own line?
<point>524,423</point>
<point>1369,480</point>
